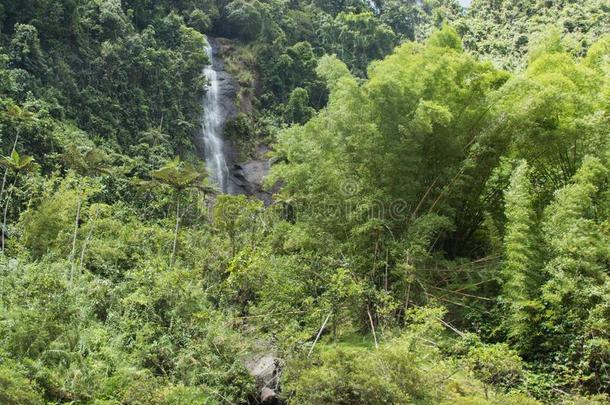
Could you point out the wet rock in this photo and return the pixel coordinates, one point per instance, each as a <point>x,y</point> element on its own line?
<point>228,88</point>
<point>249,176</point>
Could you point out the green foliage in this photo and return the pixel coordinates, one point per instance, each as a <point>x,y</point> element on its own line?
<point>25,48</point>
<point>547,43</point>
<point>79,327</point>
<point>244,18</point>
<point>496,365</point>
<point>179,175</point>
<point>403,16</point>
<point>507,31</point>
<point>411,175</point>
<point>236,216</point>
<point>363,171</point>
<point>556,112</point>
<point>522,267</point>
<point>199,20</point>
<point>48,227</point>
<point>297,109</point>
<point>446,38</point>
<point>46,61</point>
<point>17,163</point>
<point>576,291</point>
<point>362,38</point>
<point>15,389</point>
<point>406,369</point>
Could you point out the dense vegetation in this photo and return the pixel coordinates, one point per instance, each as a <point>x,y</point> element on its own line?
<point>441,235</point>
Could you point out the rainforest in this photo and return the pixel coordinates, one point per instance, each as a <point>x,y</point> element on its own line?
<point>305,202</point>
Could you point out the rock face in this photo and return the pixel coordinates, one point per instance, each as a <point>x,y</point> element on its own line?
<point>265,370</point>
<point>244,177</point>
<point>229,87</point>
<point>249,176</point>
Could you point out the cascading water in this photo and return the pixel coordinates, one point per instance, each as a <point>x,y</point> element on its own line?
<point>373,6</point>
<point>212,127</point>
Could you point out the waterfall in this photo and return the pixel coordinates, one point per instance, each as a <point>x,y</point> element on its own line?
<point>212,127</point>
<point>373,6</point>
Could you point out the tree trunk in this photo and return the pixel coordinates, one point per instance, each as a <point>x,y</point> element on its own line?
<point>335,320</point>
<point>73,252</point>
<point>319,334</point>
<point>8,200</point>
<point>387,257</point>
<point>408,298</point>
<point>87,239</point>
<point>368,311</point>
<point>6,170</point>
<point>171,264</point>
<point>233,240</point>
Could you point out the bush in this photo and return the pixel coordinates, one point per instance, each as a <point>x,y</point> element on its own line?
<point>496,365</point>
<point>15,389</point>
<point>405,369</point>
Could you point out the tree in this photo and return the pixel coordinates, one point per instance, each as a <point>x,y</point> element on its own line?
<point>555,111</point>
<point>298,110</point>
<point>344,293</point>
<point>16,389</point>
<point>393,162</point>
<point>522,267</point>
<point>180,177</point>
<point>506,31</point>
<point>21,116</point>
<point>90,163</point>
<point>403,16</point>
<point>358,38</point>
<point>234,215</point>
<point>200,20</point>
<point>155,137</point>
<point>244,18</point>
<point>576,291</point>
<point>17,164</point>
<point>25,49</point>
<point>495,365</point>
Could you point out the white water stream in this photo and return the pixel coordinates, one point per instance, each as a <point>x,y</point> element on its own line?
<point>212,124</point>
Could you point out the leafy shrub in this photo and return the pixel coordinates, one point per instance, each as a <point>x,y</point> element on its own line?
<point>16,389</point>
